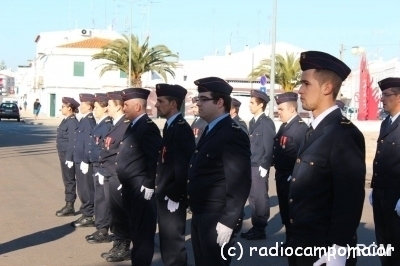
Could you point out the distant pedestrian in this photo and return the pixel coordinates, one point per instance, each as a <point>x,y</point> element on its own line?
<point>36,108</point>
<point>25,104</point>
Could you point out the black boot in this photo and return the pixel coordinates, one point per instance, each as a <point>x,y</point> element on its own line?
<point>121,253</point>
<point>100,236</point>
<point>257,233</point>
<point>67,210</point>
<point>84,221</point>
<point>116,244</point>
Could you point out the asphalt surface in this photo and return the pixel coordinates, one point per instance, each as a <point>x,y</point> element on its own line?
<point>31,191</point>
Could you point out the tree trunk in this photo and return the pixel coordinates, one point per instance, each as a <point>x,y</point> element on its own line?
<point>136,82</point>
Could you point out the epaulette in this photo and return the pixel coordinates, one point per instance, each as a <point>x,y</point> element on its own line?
<point>72,116</point>
<point>234,125</point>
<point>107,120</point>
<point>181,122</point>
<point>149,121</point>
<point>345,121</point>
<point>127,121</point>
<point>301,121</point>
<point>90,116</point>
<point>241,120</point>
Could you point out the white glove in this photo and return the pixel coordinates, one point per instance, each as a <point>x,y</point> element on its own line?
<point>172,205</point>
<point>119,187</point>
<point>69,164</point>
<point>101,178</point>
<point>397,209</point>
<point>332,258</point>
<point>84,168</point>
<point>263,172</point>
<point>370,197</point>
<point>148,192</point>
<point>224,234</point>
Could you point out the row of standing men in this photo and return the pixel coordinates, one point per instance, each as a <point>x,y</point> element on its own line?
<point>217,172</point>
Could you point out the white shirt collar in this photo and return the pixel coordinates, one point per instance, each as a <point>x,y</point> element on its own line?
<point>101,119</point>
<point>257,117</point>
<point>291,118</point>
<point>395,117</point>
<point>115,121</point>
<point>137,118</point>
<point>322,115</point>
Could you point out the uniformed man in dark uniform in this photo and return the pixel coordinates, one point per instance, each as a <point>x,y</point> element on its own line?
<point>219,175</point>
<point>286,145</point>
<point>84,171</point>
<point>136,169</point>
<point>262,133</point>
<point>235,115</point>
<point>386,178</point>
<point>172,172</point>
<point>326,192</point>
<point>65,148</point>
<point>103,126</point>
<point>198,124</point>
<point>107,174</point>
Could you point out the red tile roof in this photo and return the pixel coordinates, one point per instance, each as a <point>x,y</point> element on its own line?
<point>92,43</point>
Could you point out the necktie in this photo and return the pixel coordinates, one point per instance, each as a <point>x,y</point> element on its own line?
<point>165,129</point>
<point>205,131</point>
<point>309,131</point>
<point>389,123</point>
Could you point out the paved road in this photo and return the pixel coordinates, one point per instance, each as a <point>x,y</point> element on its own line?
<point>31,191</point>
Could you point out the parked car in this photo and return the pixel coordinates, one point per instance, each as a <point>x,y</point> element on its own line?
<point>9,110</point>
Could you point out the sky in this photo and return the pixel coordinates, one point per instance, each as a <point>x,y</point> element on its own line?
<point>197,28</point>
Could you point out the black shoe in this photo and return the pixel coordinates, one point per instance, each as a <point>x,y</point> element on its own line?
<point>244,235</point>
<point>119,252</point>
<point>98,237</point>
<point>67,210</point>
<point>119,256</point>
<point>84,221</point>
<point>105,255</point>
<point>257,234</point>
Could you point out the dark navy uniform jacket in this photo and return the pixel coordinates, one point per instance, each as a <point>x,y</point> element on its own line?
<point>326,193</point>
<point>97,138</point>
<point>198,127</point>
<point>287,144</point>
<point>386,166</point>
<point>82,138</point>
<point>241,123</point>
<point>177,148</point>
<point>110,147</point>
<point>262,134</point>
<point>138,153</point>
<point>220,173</point>
<point>65,136</point>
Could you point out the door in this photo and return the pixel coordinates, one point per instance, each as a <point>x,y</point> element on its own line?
<point>52,105</point>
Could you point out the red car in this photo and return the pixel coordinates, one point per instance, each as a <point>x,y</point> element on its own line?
<point>9,110</point>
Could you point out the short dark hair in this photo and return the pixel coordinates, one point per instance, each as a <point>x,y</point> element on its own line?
<point>396,90</point>
<point>178,101</point>
<point>259,100</point>
<point>236,108</point>
<point>227,99</point>
<point>91,104</point>
<point>324,75</point>
<point>294,104</point>
<point>102,103</point>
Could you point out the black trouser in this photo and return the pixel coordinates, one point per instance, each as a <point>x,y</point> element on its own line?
<point>387,222</point>
<point>119,222</point>
<point>204,241</point>
<point>68,177</point>
<point>171,227</point>
<point>101,210</point>
<point>85,187</point>
<point>142,216</point>
<point>282,190</point>
<point>259,199</point>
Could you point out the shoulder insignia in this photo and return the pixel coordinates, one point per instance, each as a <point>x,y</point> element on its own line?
<point>90,116</point>
<point>127,121</point>
<point>149,121</point>
<point>71,117</point>
<point>181,122</point>
<point>241,120</point>
<point>301,121</point>
<point>107,120</point>
<point>345,121</point>
<point>234,125</point>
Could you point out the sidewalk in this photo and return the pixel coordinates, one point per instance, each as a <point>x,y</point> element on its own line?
<point>29,118</point>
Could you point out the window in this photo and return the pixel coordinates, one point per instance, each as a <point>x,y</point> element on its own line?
<point>79,69</point>
<point>122,74</point>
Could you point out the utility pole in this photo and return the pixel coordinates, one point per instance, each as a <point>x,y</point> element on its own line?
<point>342,48</point>
<point>272,76</point>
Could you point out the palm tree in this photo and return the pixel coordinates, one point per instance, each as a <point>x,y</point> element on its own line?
<point>287,71</point>
<point>143,59</point>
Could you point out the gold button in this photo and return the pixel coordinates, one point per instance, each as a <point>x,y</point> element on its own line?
<point>291,221</point>
<point>290,201</point>
<point>311,163</point>
<point>294,179</point>
<point>298,160</point>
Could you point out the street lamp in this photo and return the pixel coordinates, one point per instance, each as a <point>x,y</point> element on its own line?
<point>357,50</point>
<point>272,76</point>
<point>130,42</point>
